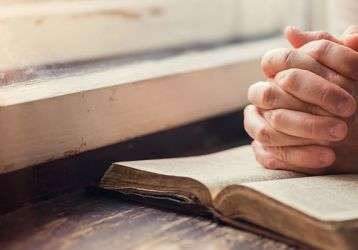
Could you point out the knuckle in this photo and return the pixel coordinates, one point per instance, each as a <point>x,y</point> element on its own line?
<point>289,58</point>
<point>276,117</point>
<point>281,58</point>
<point>268,96</point>
<point>271,163</point>
<point>323,48</point>
<point>268,61</point>
<point>325,94</point>
<point>266,58</point>
<point>269,57</point>
<point>323,35</point>
<point>281,153</point>
<point>335,78</point>
<point>313,109</point>
<point>288,79</point>
<point>310,126</point>
<point>263,135</point>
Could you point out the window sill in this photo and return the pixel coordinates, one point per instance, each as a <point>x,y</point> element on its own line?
<point>59,117</point>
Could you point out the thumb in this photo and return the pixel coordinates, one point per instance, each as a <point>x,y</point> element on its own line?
<point>297,37</point>
<point>350,37</point>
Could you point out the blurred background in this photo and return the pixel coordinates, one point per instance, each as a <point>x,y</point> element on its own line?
<point>43,33</point>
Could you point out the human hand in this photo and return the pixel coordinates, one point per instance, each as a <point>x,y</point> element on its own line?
<point>299,118</point>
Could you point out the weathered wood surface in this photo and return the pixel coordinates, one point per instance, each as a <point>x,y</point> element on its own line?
<point>87,220</point>
<point>59,117</point>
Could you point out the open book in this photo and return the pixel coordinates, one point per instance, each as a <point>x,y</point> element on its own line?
<point>321,211</point>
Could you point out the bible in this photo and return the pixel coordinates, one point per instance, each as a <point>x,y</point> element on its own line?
<point>320,211</point>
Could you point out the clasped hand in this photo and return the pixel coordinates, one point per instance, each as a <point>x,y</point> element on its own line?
<point>304,118</point>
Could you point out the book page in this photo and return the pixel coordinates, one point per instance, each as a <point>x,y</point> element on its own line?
<point>328,198</point>
<point>216,171</point>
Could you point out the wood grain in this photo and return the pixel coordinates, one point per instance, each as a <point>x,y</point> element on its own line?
<point>45,32</point>
<point>113,27</point>
<point>83,220</point>
<point>56,118</point>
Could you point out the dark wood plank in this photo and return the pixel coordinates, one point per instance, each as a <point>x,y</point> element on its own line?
<point>88,220</point>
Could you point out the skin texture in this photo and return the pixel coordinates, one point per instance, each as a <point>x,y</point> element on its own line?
<point>304,118</point>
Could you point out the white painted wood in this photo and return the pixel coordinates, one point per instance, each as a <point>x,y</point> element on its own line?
<point>341,15</point>
<point>43,32</point>
<point>60,117</point>
<point>255,17</point>
<point>318,15</point>
<point>49,32</point>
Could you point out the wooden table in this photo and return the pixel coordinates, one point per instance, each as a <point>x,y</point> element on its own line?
<point>48,207</point>
<point>87,220</point>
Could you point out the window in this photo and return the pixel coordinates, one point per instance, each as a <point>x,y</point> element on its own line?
<point>37,33</point>
<point>82,74</point>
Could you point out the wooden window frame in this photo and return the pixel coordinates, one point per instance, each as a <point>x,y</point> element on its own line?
<point>56,118</point>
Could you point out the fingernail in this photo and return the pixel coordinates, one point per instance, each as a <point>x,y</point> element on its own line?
<point>338,131</point>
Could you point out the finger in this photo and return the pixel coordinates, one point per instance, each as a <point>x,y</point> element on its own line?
<point>311,88</point>
<point>304,159</point>
<point>258,128</point>
<point>350,37</point>
<point>278,60</point>
<point>297,37</point>
<point>305,125</point>
<point>337,57</point>
<point>267,159</point>
<point>267,95</point>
